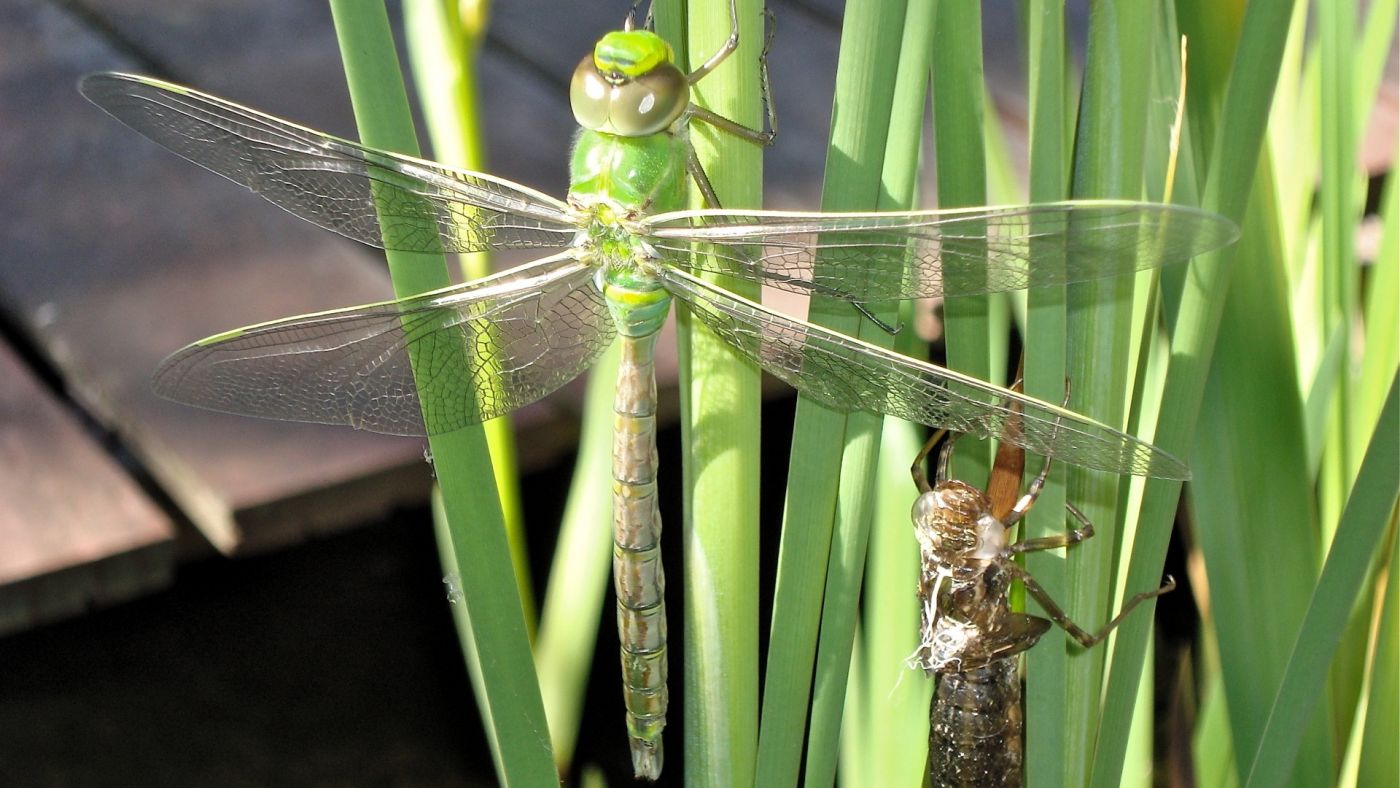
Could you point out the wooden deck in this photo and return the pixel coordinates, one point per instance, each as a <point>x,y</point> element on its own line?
<point>113,253</point>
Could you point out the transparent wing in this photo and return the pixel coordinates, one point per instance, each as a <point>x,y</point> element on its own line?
<point>848,374</point>
<point>923,254</point>
<point>335,183</point>
<point>481,350</point>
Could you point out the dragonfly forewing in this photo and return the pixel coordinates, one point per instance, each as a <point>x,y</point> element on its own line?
<point>925,254</point>
<point>480,350</point>
<point>372,196</point>
<point>845,373</point>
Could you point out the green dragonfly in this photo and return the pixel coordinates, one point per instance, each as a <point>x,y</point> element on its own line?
<point>490,346</point>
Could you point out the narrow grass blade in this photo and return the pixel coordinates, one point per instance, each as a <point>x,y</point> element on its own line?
<point>892,721</point>
<point>1382,337</point>
<point>581,569</point>
<point>1242,90</point>
<point>443,39</point>
<point>1046,702</point>
<point>1251,494</point>
<point>1382,315</point>
<point>1368,512</point>
<point>855,764</point>
<point>1336,33</point>
<point>461,618</point>
<point>720,407</point>
<point>958,107</point>
<point>515,711</point>
<point>1108,162</point>
<point>1213,761</point>
<point>864,80</point>
<point>895,174</point>
<point>896,698</point>
<point>1378,764</point>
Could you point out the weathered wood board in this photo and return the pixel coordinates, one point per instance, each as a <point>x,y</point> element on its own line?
<point>75,530</point>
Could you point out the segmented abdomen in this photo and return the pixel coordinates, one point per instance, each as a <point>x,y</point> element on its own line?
<point>637,575</point>
<point>975,726</point>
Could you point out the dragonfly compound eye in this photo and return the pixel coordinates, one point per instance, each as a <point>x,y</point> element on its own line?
<point>628,106</point>
<point>650,103</point>
<point>588,95</point>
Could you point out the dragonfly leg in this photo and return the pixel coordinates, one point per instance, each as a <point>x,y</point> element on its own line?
<point>725,50</point>
<point>917,469</point>
<point>707,189</point>
<point>762,138</point>
<point>1084,531</point>
<point>892,330</point>
<point>630,23</point>
<point>1058,616</point>
<point>1028,500</point>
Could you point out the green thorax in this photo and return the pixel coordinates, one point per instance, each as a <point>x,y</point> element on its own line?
<point>616,178</point>
<point>641,175</point>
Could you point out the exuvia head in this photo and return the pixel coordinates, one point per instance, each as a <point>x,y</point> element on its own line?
<point>629,86</point>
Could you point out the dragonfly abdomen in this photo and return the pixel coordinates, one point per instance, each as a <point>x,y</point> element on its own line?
<point>638,576</point>
<point>974,736</point>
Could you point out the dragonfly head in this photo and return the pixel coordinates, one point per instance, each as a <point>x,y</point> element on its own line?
<point>956,529</point>
<point>629,86</point>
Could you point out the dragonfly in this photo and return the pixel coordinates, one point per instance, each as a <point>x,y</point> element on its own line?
<point>969,635</point>
<point>440,361</point>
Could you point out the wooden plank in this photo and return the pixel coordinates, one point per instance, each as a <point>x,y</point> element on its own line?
<point>76,531</point>
<point>115,253</point>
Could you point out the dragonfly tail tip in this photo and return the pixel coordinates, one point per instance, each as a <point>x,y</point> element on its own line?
<point>646,758</point>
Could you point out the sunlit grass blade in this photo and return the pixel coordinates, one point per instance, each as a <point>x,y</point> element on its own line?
<point>890,183</point>
<point>1251,493</point>
<point>958,123</point>
<point>1292,136</point>
<point>1382,321</point>
<point>512,698</point>
<point>443,39</point>
<point>1213,757</point>
<point>1377,764</point>
<point>1236,87</point>
<point>1382,313</point>
<point>891,724</point>
<point>819,434</point>
<point>720,406</point>
<point>1044,371</point>
<point>1336,33</point>
<point>1359,534</point>
<point>1109,150</point>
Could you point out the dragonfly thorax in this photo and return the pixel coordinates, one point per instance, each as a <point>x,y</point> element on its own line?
<point>610,240</point>
<point>609,234</point>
